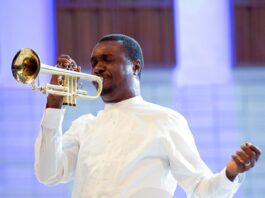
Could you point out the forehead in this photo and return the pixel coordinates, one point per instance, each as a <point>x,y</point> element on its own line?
<point>108,47</point>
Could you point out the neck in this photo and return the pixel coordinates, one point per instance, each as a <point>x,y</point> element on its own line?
<point>132,91</point>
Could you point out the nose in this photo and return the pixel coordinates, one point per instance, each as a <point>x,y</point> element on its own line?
<point>97,70</point>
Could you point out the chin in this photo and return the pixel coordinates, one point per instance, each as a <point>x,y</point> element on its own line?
<point>106,91</point>
<point>108,95</point>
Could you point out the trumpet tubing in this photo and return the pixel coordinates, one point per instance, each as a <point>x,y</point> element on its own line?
<point>26,67</point>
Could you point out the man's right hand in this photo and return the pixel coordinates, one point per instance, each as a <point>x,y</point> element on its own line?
<point>63,61</point>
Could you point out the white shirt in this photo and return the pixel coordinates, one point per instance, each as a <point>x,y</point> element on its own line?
<point>131,149</point>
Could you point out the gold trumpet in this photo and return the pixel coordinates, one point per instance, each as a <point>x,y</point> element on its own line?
<point>26,66</point>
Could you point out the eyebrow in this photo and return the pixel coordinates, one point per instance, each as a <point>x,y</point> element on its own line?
<point>100,56</point>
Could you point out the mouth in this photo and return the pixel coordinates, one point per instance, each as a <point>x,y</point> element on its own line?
<point>95,84</point>
<point>104,78</point>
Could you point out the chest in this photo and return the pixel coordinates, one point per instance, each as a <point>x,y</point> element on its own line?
<point>117,144</point>
<point>117,136</point>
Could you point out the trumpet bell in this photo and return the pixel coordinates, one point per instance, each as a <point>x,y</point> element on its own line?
<point>26,66</point>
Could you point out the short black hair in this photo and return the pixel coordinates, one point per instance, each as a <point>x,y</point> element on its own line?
<point>132,48</point>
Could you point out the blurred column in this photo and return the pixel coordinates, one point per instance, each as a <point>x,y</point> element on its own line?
<point>203,41</point>
<point>27,23</point>
<point>23,23</point>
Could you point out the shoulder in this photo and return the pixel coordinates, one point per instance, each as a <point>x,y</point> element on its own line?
<point>164,112</point>
<point>80,125</point>
<point>84,119</point>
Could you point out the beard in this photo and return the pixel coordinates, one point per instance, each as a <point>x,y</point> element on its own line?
<point>106,91</point>
<point>108,86</point>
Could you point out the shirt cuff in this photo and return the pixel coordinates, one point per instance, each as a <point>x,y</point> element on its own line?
<point>232,184</point>
<point>52,118</point>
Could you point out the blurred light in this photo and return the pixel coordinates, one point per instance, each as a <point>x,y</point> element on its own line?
<point>203,41</point>
<point>29,23</point>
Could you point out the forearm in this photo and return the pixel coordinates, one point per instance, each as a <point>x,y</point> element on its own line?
<point>48,149</point>
<point>218,186</point>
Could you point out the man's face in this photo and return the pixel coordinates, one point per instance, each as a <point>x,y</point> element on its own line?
<point>108,61</point>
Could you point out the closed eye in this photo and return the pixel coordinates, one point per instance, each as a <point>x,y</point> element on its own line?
<point>93,62</point>
<point>107,58</point>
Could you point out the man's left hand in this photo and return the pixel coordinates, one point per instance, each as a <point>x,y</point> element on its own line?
<point>243,160</point>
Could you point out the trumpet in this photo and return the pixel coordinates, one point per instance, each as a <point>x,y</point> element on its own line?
<point>26,67</point>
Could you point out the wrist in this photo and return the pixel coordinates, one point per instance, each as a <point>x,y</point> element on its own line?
<point>55,102</point>
<point>230,174</point>
<point>54,106</point>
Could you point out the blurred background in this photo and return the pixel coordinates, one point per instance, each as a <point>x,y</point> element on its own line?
<point>203,58</point>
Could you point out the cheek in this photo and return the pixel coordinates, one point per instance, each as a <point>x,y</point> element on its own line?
<point>119,74</point>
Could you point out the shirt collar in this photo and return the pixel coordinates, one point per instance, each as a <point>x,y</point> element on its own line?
<point>124,103</point>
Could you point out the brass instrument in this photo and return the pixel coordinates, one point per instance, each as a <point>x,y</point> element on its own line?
<point>26,66</point>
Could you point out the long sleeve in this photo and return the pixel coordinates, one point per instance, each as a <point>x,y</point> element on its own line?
<point>188,168</point>
<point>55,154</point>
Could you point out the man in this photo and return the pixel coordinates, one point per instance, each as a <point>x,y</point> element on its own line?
<point>132,148</point>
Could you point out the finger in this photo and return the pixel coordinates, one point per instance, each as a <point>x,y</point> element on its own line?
<point>247,150</point>
<point>65,56</point>
<point>251,155</point>
<point>240,163</point>
<point>244,159</point>
<point>243,156</point>
<point>64,60</point>
<point>238,160</point>
<point>62,63</point>
<point>78,69</point>
<point>73,62</point>
<point>255,149</point>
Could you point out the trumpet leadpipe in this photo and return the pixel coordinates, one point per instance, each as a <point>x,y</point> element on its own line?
<point>26,66</point>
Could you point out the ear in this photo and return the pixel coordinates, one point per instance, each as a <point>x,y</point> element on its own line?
<point>136,67</point>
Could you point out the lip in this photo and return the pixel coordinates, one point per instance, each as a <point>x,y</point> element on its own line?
<point>104,78</point>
